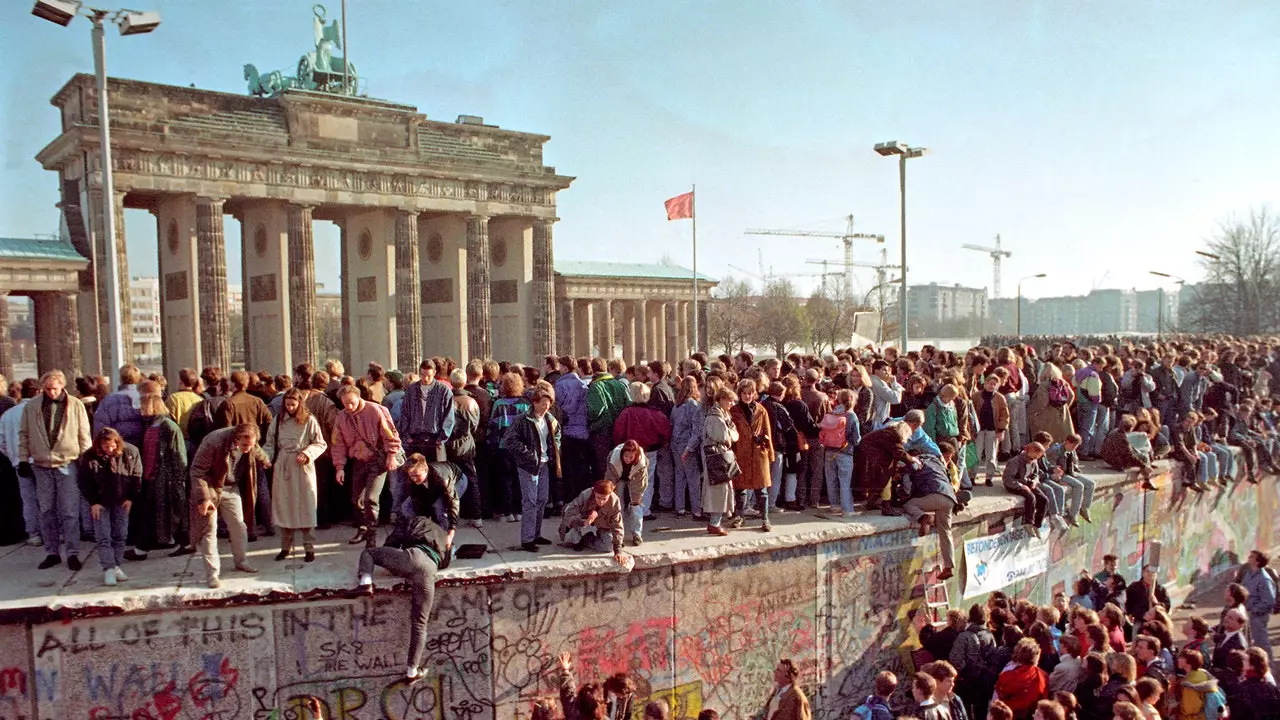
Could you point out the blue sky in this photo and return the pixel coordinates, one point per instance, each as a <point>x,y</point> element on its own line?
<point>1100,139</point>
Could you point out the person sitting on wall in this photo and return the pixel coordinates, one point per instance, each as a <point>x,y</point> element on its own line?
<point>932,501</point>
<point>1121,455</point>
<point>591,517</point>
<point>419,546</point>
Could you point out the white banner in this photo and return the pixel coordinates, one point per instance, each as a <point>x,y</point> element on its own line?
<point>997,561</point>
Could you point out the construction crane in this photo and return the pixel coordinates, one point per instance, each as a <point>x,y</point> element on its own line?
<point>881,267</point>
<point>766,278</point>
<point>997,253</point>
<point>847,237</point>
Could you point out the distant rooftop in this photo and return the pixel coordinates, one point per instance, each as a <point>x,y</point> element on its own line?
<point>653,271</point>
<point>38,249</point>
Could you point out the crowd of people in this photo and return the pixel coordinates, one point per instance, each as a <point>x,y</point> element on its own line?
<point>1110,651</point>
<point>603,446</point>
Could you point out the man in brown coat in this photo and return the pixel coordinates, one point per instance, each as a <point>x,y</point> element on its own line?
<point>788,701</point>
<point>813,475</point>
<point>224,476</point>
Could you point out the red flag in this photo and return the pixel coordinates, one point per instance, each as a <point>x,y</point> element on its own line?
<point>680,207</point>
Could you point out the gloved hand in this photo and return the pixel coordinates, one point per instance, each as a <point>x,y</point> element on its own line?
<point>24,470</point>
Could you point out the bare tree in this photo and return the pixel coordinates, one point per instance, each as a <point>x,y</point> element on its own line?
<point>780,321</point>
<point>731,315</point>
<point>830,312</point>
<point>1238,294</point>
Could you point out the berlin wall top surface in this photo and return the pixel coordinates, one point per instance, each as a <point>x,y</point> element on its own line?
<point>162,582</point>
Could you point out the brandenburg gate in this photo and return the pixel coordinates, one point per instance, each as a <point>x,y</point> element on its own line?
<point>446,228</point>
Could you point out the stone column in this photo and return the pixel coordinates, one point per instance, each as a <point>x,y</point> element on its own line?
<point>583,340</point>
<point>657,331</point>
<point>629,331</point>
<point>408,292</point>
<point>246,298</point>
<point>604,329</point>
<point>673,347</point>
<point>543,290</point>
<point>211,251</point>
<point>303,345</point>
<point>6,341</point>
<point>704,330</point>
<point>344,279</point>
<point>57,332</point>
<point>565,330</point>
<point>682,330</point>
<point>122,274</point>
<point>478,291</point>
<point>641,326</point>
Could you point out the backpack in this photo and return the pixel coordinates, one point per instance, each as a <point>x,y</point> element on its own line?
<point>831,431</point>
<point>1059,393</point>
<point>201,423</point>
<point>1133,391</point>
<point>1215,704</point>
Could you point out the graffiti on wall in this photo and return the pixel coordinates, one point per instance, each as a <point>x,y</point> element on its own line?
<point>347,660</point>
<point>198,664</point>
<point>872,592</point>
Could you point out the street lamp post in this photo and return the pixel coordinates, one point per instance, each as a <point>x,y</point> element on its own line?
<point>904,152</point>
<point>1019,309</point>
<point>130,22</point>
<point>1160,308</point>
<point>866,299</point>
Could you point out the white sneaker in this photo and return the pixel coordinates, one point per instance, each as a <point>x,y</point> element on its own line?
<point>120,574</point>
<point>510,518</point>
<point>415,673</point>
<point>477,524</point>
<point>109,578</point>
<point>751,512</point>
<point>35,541</point>
<point>519,517</point>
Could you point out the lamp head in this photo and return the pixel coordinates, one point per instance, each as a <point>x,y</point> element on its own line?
<point>1042,275</point>
<point>60,12</point>
<point>893,147</point>
<point>137,23</point>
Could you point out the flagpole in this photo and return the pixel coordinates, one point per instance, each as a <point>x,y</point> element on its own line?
<point>693,215</point>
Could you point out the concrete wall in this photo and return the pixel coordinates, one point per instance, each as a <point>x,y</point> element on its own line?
<point>703,634</point>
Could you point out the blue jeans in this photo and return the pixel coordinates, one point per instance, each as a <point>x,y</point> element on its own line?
<point>775,477</point>
<point>1081,499</point>
<point>689,477</point>
<point>1100,429</point>
<point>633,514</point>
<point>1226,461</point>
<point>647,501</point>
<point>30,506</point>
<point>59,499</point>
<point>109,532</point>
<point>1086,420</point>
<point>1057,496</point>
<point>744,501</point>
<point>840,480</point>
<point>535,491</point>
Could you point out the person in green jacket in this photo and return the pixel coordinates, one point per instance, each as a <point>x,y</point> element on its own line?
<point>605,400</point>
<point>940,419</point>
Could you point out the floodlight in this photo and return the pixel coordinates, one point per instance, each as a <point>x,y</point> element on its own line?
<point>61,12</point>
<point>137,23</point>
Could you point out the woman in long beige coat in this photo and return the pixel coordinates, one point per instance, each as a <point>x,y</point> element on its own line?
<point>1042,416</point>
<point>718,436</point>
<point>293,443</point>
<point>754,450</point>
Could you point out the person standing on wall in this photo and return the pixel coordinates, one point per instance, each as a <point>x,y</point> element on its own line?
<point>533,444</point>
<point>224,475</point>
<point>364,432</point>
<point>424,418</point>
<point>110,479</point>
<point>294,442</point>
<point>571,398</point>
<point>54,434</point>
